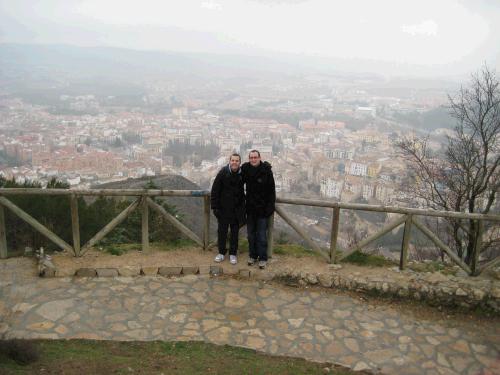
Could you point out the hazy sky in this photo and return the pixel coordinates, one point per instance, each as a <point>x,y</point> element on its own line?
<point>428,32</point>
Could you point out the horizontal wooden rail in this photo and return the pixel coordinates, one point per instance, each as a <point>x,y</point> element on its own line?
<point>296,201</point>
<point>106,192</point>
<point>387,209</point>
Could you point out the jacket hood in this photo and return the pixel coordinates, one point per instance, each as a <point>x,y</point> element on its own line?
<point>263,164</point>
<point>267,165</point>
<point>230,171</point>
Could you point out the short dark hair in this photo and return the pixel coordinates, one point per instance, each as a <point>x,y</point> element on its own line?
<point>235,154</point>
<point>258,153</point>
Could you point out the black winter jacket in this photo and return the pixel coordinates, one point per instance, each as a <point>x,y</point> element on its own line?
<point>260,189</point>
<point>228,196</point>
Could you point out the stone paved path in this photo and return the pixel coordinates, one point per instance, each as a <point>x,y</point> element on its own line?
<point>269,318</point>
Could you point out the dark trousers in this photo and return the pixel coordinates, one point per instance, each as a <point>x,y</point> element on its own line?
<point>222,229</point>
<point>257,237</point>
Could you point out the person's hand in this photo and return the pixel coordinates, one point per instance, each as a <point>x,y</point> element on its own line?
<point>216,213</point>
<point>268,211</point>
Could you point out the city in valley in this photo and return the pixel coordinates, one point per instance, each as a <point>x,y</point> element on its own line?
<point>328,136</point>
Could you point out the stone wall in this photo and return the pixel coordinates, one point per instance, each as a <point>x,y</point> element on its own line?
<point>436,289</point>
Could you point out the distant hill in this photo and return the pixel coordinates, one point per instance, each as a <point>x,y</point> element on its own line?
<point>433,119</point>
<point>191,208</point>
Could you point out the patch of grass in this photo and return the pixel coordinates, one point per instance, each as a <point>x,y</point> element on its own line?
<point>432,266</point>
<point>294,250</point>
<point>242,245</point>
<point>177,244</point>
<point>123,248</point>
<point>186,358</point>
<point>370,260</point>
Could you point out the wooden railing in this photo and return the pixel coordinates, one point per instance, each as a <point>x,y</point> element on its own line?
<point>143,201</point>
<point>410,217</point>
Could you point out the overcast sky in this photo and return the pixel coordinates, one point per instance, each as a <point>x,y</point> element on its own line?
<point>456,33</point>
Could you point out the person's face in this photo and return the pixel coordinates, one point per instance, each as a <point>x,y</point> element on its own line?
<point>254,159</point>
<point>234,163</point>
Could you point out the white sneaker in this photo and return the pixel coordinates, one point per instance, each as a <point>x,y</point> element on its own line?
<point>219,258</point>
<point>233,259</point>
<point>262,264</point>
<point>251,261</point>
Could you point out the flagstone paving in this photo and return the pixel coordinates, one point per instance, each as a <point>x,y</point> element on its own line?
<point>270,318</point>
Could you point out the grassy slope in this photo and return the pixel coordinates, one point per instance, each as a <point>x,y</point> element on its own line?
<point>108,357</point>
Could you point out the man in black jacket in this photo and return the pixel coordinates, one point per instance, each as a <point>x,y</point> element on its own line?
<point>260,200</point>
<point>228,205</point>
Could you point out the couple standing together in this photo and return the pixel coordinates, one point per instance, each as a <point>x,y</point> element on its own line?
<point>233,207</point>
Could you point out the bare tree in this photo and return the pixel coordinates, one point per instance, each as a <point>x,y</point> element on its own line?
<point>465,177</point>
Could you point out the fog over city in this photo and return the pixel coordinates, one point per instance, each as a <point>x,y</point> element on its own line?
<point>444,37</point>
<point>95,92</point>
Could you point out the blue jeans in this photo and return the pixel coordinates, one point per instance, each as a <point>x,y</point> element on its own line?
<point>257,237</point>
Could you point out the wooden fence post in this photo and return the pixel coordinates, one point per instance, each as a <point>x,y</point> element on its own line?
<point>406,241</point>
<point>3,234</point>
<point>477,248</point>
<point>206,221</point>
<point>270,235</point>
<point>145,224</point>
<point>75,224</point>
<point>334,235</point>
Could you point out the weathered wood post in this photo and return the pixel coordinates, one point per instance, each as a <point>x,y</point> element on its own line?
<point>145,224</point>
<point>3,234</point>
<point>270,235</point>
<point>334,235</point>
<point>477,248</point>
<point>75,224</point>
<point>206,221</point>
<point>406,241</point>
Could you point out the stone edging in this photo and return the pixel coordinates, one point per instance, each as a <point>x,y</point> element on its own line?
<point>145,271</point>
<point>434,289</point>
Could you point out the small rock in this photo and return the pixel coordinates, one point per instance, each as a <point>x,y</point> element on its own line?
<point>325,280</point>
<point>335,266</point>
<point>149,271</point>
<point>436,278</point>
<point>244,273</point>
<point>478,294</point>
<point>129,271</point>
<point>191,270</point>
<point>215,270</point>
<point>107,272</point>
<point>170,271</point>
<point>86,272</point>
<point>361,366</point>
<point>204,269</point>
<point>311,278</point>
